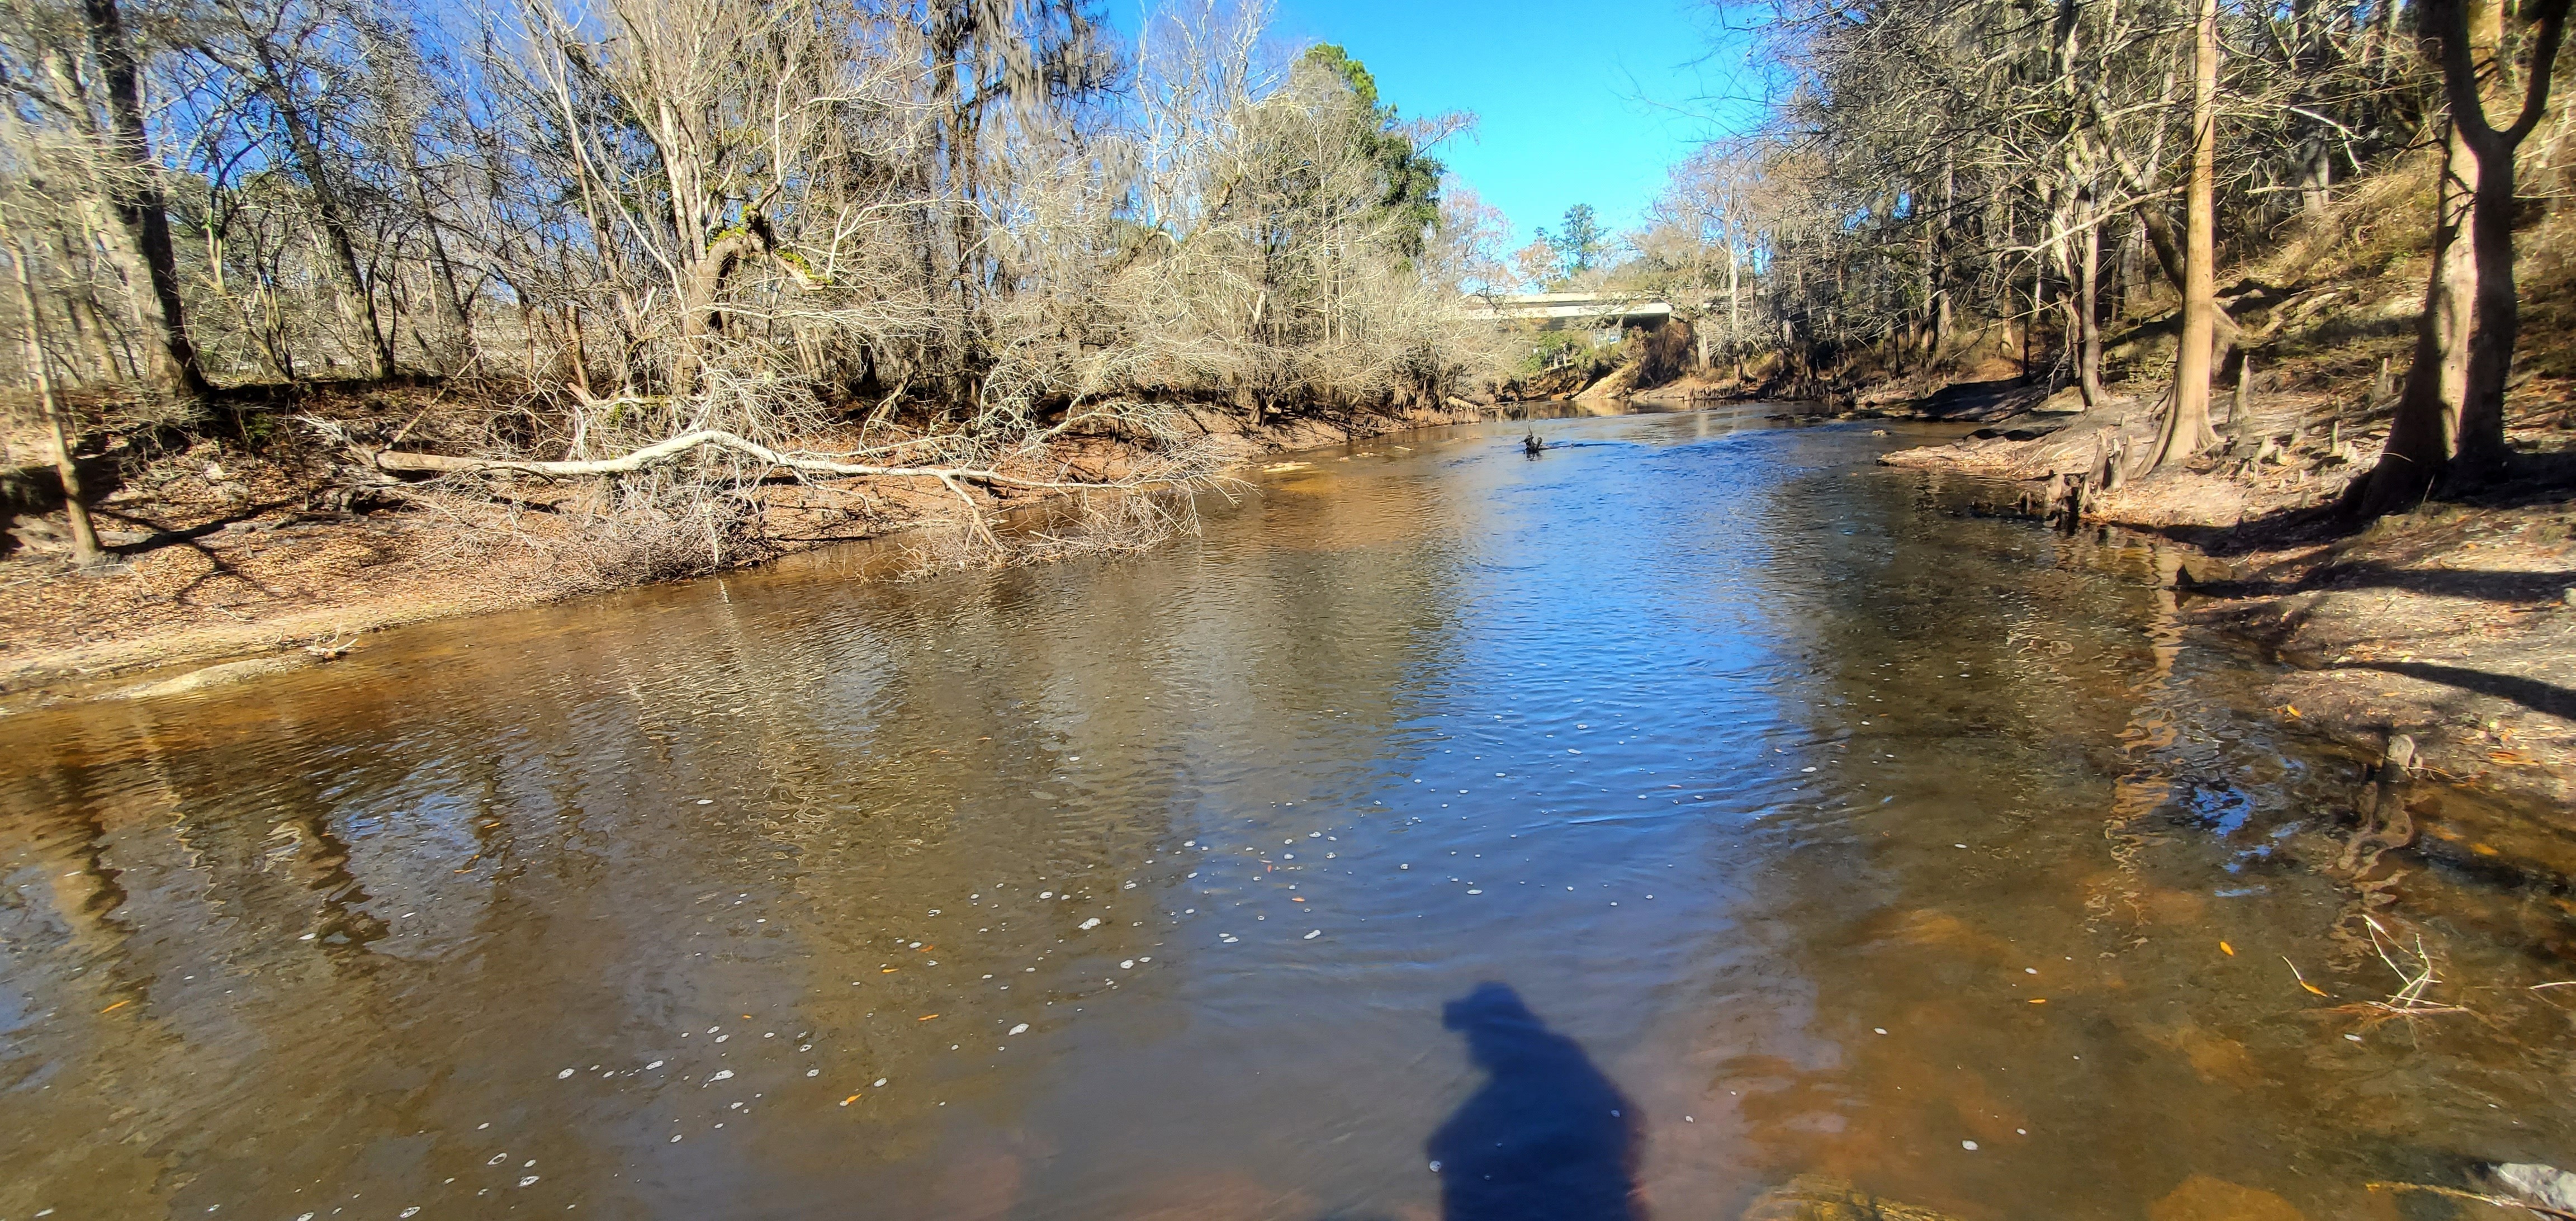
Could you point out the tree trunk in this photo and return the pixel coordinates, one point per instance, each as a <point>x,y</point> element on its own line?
<point>702,315</point>
<point>1941,310</point>
<point>2132,245</point>
<point>2497,318</point>
<point>89,319</point>
<point>2449,424</point>
<point>133,190</point>
<point>2425,431</point>
<point>85,549</point>
<point>2316,179</point>
<point>343,248</point>
<point>1734,299</point>
<point>2088,323</point>
<point>2160,238</point>
<point>2186,429</point>
<point>271,79</point>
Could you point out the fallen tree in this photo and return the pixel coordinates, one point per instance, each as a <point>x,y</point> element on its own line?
<point>400,463</point>
<point>1189,467</point>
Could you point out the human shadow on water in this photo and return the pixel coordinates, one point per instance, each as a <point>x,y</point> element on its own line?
<point>1548,1138</point>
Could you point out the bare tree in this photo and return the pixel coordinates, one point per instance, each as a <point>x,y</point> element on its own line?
<point>272,46</point>
<point>2186,429</point>
<point>1967,166</point>
<point>85,548</point>
<point>946,235</point>
<point>75,82</point>
<point>2449,424</point>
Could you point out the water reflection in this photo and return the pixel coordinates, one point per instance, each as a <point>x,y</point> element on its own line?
<point>1548,1137</point>
<point>1841,828</point>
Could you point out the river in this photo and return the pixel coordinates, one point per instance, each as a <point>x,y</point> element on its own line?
<point>1693,806</point>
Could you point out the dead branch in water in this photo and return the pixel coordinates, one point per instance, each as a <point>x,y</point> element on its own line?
<point>2409,1001</point>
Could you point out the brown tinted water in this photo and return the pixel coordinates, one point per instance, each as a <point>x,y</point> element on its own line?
<point>1773,795</point>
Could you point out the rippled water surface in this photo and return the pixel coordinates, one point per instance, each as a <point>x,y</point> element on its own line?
<point>1690,808</point>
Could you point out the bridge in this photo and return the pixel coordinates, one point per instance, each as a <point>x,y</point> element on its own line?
<point>1563,311</point>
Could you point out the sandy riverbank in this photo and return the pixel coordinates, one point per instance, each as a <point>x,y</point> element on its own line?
<point>228,565</point>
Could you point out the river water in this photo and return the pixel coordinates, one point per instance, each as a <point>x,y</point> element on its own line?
<point>1687,809</point>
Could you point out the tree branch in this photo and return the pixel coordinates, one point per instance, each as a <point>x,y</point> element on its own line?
<point>688,442</point>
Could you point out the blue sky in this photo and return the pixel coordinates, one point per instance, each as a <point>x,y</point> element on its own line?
<point>1575,103</point>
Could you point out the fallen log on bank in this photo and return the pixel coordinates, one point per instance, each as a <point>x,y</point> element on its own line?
<point>396,462</point>
<point>1191,471</point>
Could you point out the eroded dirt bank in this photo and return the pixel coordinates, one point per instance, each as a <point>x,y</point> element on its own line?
<point>256,560</point>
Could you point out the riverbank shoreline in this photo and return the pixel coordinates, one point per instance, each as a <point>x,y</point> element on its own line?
<point>2452,626</point>
<point>240,583</point>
